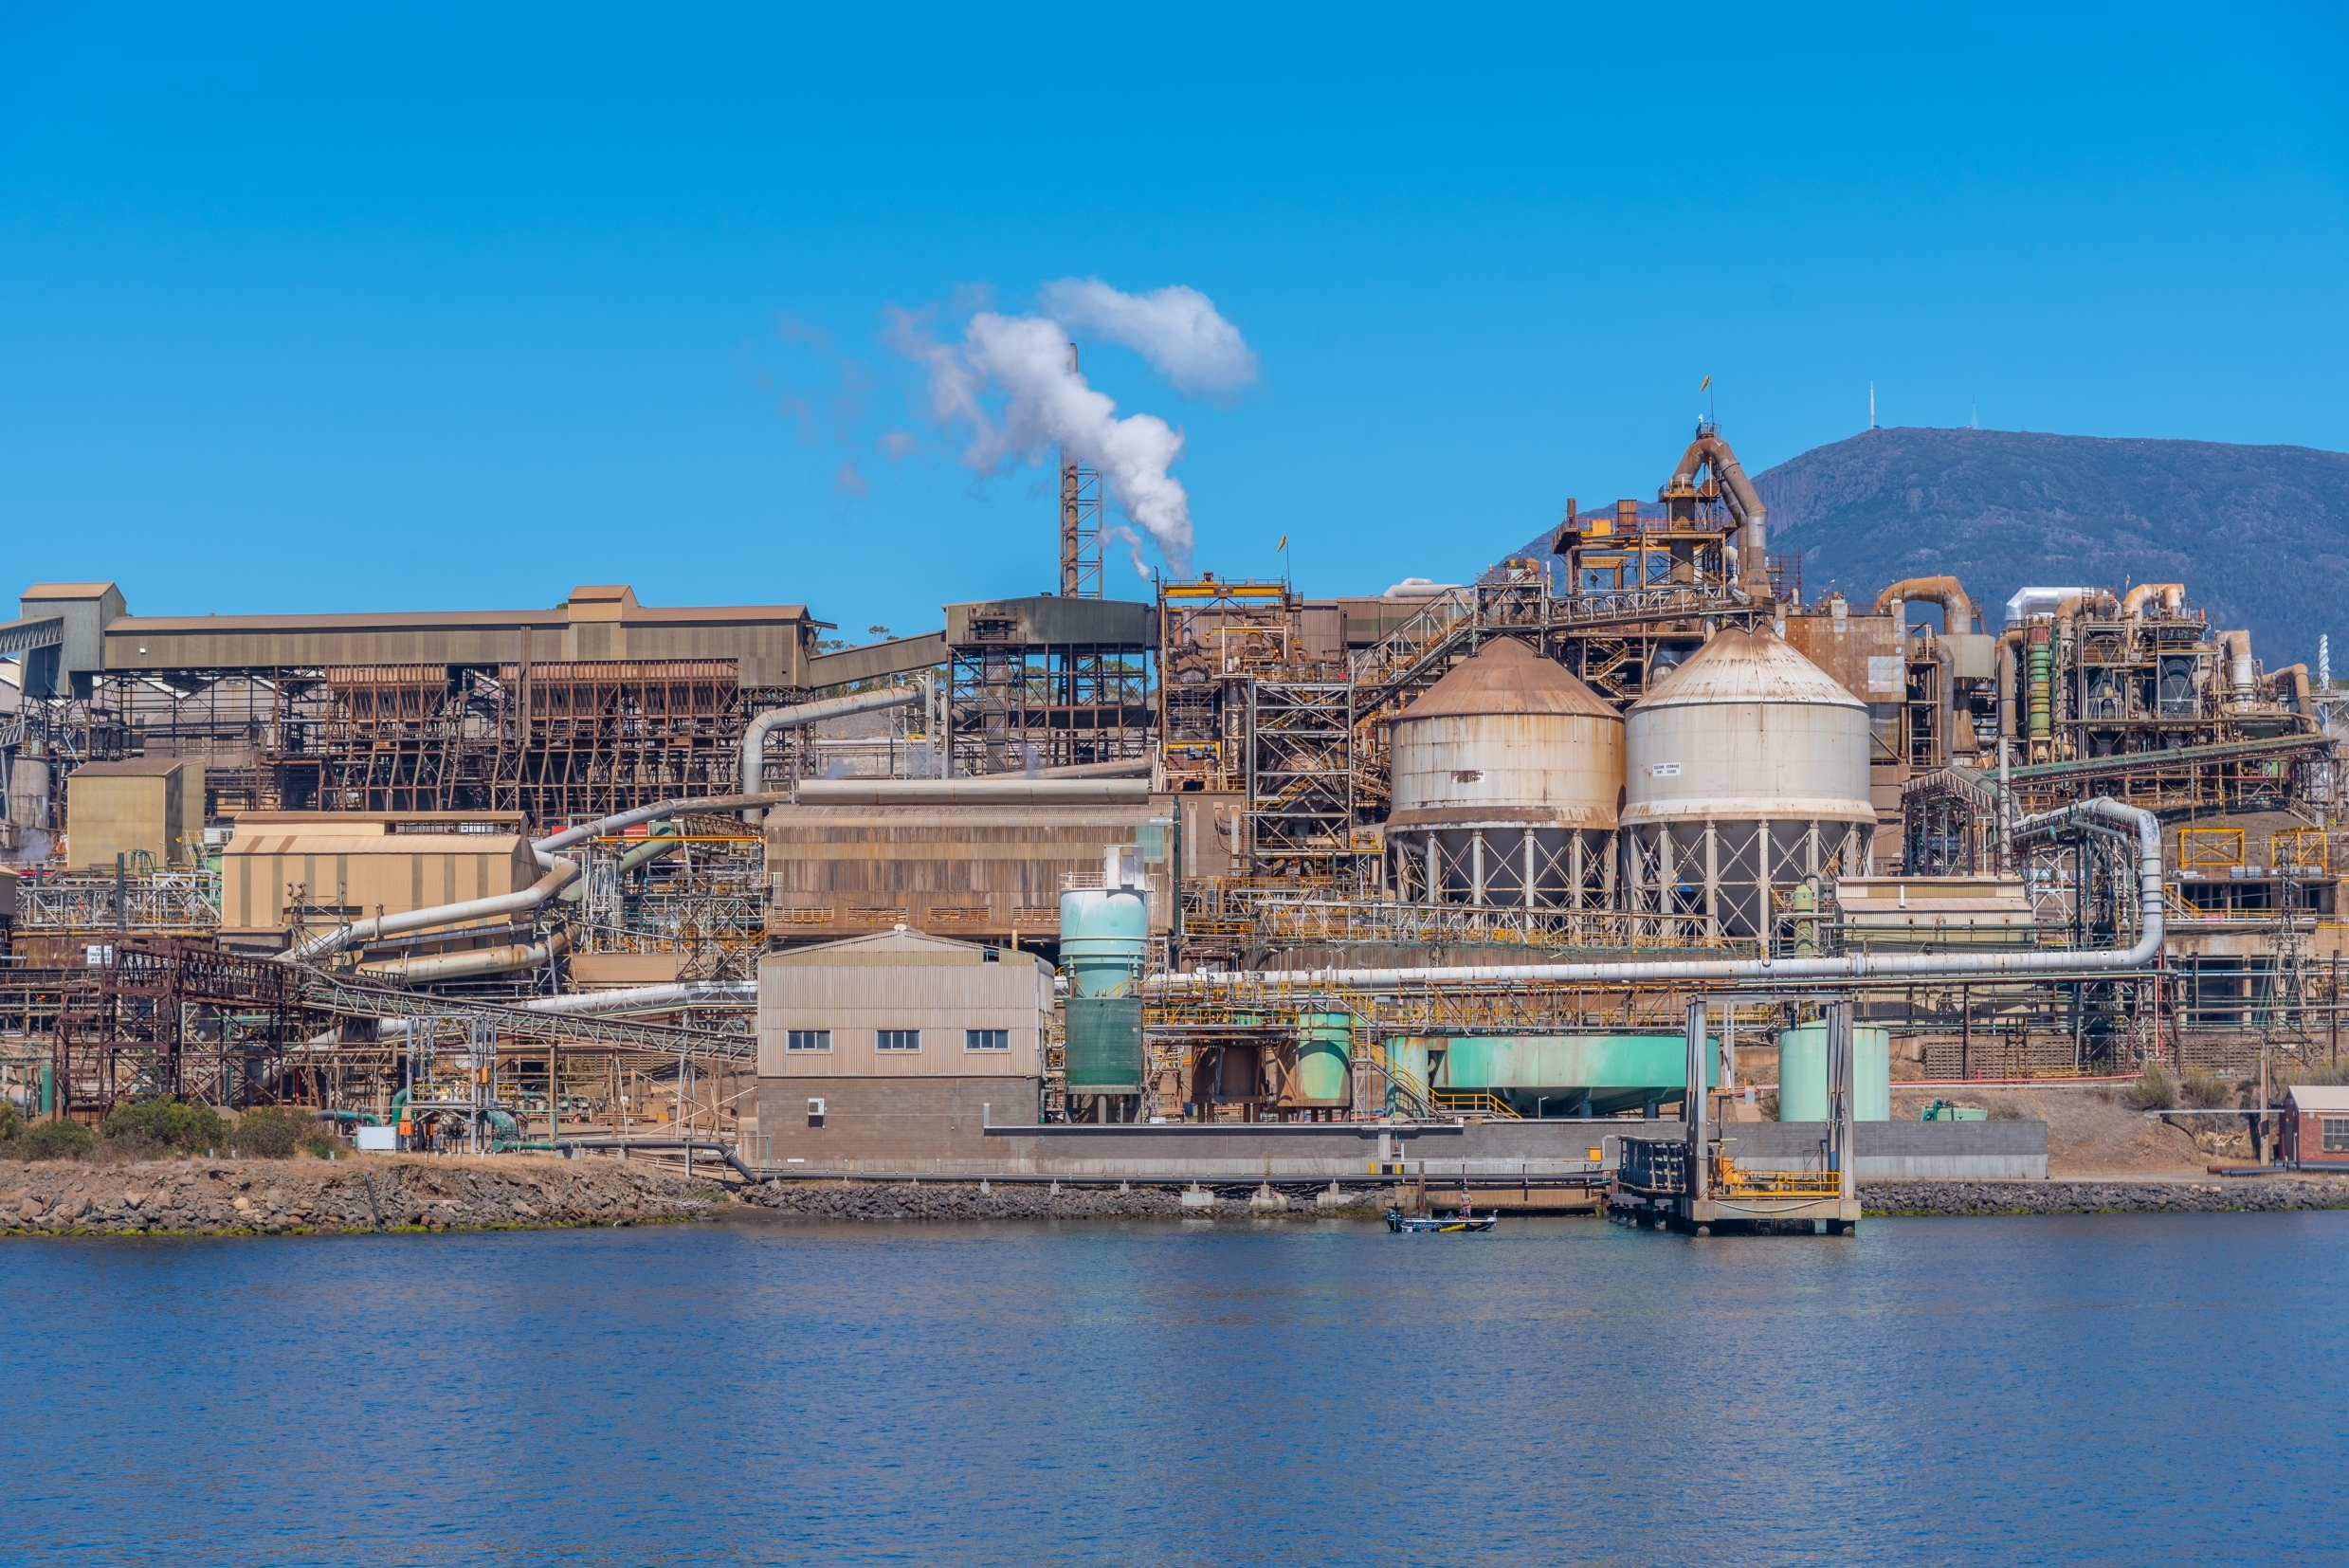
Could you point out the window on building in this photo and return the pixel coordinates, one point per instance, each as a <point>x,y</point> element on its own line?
<point>897,1039</point>
<point>2335,1135</point>
<point>807,1039</point>
<point>987,1039</point>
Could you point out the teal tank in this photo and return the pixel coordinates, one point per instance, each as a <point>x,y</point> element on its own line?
<point>1802,1073</point>
<point>1104,939</point>
<point>1324,1054</point>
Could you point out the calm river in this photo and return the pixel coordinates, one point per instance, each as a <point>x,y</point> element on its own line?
<point>2045,1391</point>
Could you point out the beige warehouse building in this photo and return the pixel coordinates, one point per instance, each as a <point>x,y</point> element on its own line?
<point>897,1047</point>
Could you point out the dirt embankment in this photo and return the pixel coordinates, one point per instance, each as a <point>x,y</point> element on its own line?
<point>2093,1130</point>
<point>226,1196</point>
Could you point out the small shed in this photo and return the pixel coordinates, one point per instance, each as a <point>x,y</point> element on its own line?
<point>2316,1126</point>
<point>151,806</point>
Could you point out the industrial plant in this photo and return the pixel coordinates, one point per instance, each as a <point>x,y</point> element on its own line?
<point>1625,875</point>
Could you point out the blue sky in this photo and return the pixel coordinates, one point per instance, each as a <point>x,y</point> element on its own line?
<point>333,308</point>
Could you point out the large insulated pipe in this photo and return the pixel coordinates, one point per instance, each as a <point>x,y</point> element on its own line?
<point>652,848</point>
<point>1958,615</point>
<point>645,999</point>
<point>2173,596</point>
<point>556,878</point>
<point>1745,504</point>
<point>2296,677</point>
<point>754,737</point>
<point>2237,646</point>
<point>2009,652</point>
<point>2031,602</point>
<point>1014,791</point>
<point>2085,815</point>
<point>454,966</point>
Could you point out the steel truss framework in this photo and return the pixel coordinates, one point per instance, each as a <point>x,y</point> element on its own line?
<point>1015,705</point>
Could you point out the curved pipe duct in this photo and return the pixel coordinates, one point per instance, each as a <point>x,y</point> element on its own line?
<point>1745,504</point>
<point>651,850</point>
<point>1958,615</point>
<point>754,737</point>
<point>456,966</point>
<point>2173,597</point>
<point>2087,816</point>
<point>2030,603</point>
<point>2296,677</point>
<point>2237,646</point>
<point>446,914</point>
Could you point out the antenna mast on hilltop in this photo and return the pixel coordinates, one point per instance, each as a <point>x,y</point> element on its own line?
<point>1872,405</point>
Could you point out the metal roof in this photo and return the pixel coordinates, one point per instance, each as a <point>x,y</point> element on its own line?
<point>1747,666</point>
<point>2320,1097</point>
<point>1506,677</point>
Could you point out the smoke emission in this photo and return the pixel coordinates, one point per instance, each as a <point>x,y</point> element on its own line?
<point>1011,381</point>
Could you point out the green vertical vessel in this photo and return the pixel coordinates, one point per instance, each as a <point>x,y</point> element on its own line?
<point>1802,1073</point>
<point>1104,1044</point>
<point>1325,1056</point>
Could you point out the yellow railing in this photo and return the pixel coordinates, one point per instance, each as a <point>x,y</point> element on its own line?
<point>1473,1102</point>
<point>1729,1181</point>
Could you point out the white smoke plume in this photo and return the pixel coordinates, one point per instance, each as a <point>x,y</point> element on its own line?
<point>1012,380</point>
<point>1177,330</point>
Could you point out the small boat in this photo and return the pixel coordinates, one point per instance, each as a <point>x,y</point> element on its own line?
<point>1398,1221</point>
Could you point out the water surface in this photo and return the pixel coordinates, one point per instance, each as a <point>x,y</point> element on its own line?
<point>2099,1389</point>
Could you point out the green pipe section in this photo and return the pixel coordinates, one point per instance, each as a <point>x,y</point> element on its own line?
<point>2042,664</point>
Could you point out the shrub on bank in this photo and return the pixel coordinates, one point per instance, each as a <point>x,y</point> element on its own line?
<point>155,1126</point>
<point>2153,1090</point>
<point>2206,1090</point>
<point>268,1132</point>
<point>57,1141</point>
<point>2007,1110</point>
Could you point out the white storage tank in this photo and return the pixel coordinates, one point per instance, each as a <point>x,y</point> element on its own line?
<point>1747,772</point>
<point>1507,779</point>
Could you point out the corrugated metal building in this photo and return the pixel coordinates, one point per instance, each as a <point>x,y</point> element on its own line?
<point>980,860</point>
<point>897,1047</point>
<point>350,865</point>
<point>143,805</point>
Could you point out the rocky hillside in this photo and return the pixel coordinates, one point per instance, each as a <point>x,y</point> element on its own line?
<point>2260,535</point>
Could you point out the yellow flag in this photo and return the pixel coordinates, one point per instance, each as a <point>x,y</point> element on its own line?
<point>1708,381</point>
<point>1282,545</point>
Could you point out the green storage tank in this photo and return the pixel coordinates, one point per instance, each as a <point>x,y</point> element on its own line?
<point>1104,1044</point>
<point>1324,1055</point>
<point>1551,1075</point>
<point>1104,939</point>
<point>1802,1073</point>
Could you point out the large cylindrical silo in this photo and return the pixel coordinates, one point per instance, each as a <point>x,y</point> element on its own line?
<point>1507,776</point>
<point>1747,772</point>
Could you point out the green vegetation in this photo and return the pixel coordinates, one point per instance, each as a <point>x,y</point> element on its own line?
<point>268,1132</point>
<point>2154,1090</point>
<point>56,1141</point>
<point>2206,1090</point>
<point>161,1126</point>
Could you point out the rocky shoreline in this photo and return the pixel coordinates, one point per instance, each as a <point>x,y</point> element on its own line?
<point>876,1200</point>
<point>2217,1195</point>
<point>416,1194</point>
<point>315,1197</point>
